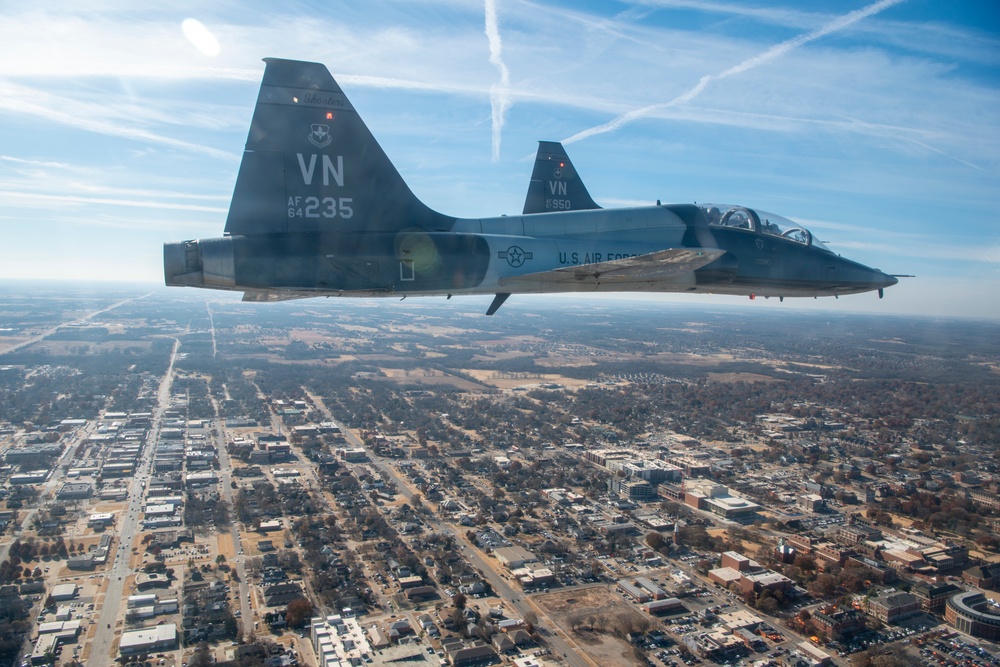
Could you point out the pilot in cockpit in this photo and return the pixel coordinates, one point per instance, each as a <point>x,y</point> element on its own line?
<point>714,215</point>
<point>771,228</point>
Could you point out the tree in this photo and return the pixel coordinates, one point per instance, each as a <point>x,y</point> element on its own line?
<point>766,604</point>
<point>655,541</point>
<point>805,562</point>
<point>823,587</point>
<point>530,620</point>
<point>202,656</point>
<point>459,601</point>
<point>298,612</point>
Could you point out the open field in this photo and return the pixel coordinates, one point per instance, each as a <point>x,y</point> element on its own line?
<point>71,347</point>
<point>576,608</point>
<point>428,377</point>
<point>741,377</point>
<point>532,380</point>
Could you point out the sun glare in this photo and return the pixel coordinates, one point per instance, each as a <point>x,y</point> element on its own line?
<point>201,37</point>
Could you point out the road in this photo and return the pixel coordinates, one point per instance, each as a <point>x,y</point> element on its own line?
<point>120,569</point>
<point>211,322</point>
<point>48,332</point>
<point>225,481</point>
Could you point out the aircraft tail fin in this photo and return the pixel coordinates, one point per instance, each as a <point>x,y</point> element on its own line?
<point>555,185</point>
<point>312,165</point>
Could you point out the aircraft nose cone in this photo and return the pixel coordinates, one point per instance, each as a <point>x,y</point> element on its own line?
<point>886,280</point>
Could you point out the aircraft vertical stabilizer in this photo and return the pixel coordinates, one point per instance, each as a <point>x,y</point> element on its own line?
<point>555,185</point>
<point>311,164</point>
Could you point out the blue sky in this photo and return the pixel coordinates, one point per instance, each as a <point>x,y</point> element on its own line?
<point>873,123</point>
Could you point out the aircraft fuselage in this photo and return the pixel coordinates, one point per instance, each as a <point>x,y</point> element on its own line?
<point>491,255</point>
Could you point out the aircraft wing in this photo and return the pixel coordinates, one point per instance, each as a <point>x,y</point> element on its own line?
<point>659,265</point>
<point>270,296</point>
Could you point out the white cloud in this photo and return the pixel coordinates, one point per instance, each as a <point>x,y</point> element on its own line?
<point>773,53</point>
<point>499,92</point>
<point>13,199</point>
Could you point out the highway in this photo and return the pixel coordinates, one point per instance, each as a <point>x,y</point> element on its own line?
<point>51,330</point>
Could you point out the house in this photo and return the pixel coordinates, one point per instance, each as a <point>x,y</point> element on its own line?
<point>280,595</point>
<point>503,644</point>
<point>427,624</point>
<point>421,593</point>
<point>468,655</point>
<point>520,637</point>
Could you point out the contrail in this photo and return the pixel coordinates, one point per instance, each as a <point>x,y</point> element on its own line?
<point>772,53</point>
<point>499,98</point>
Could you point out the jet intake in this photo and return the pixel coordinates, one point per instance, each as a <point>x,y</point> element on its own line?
<point>201,263</point>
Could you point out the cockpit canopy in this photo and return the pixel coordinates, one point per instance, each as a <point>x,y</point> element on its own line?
<point>741,217</point>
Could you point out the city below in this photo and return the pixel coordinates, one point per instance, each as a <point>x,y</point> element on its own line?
<point>193,480</point>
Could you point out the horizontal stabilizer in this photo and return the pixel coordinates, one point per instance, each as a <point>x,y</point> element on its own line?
<point>659,265</point>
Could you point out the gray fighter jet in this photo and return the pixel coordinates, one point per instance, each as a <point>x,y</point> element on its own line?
<point>319,210</point>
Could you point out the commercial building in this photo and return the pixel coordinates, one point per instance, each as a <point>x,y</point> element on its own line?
<point>738,562</point>
<point>533,576</point>
<point>75,491</point>
<point>338,640</point>
<point>770,581</point>
<point>741,619</point>
<point>725,576</point>
<point>986,575</point>
<point>663,606</point>
<point>946,556</point>
<point>891,608</point>
<point>839,623</point>
<point>812,502</point>
<point>147,640</point>
<point>353,454</point>
<point>814,656</point>
<point>718,500</point>
<point>28,477</point>
<point>633,489</point>
<point>934,596</point>
<point>971,613</point>
<point>201,478</point>
<point>63,592</point>
<point>716,645</point>
<point>514,557</point>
